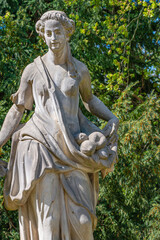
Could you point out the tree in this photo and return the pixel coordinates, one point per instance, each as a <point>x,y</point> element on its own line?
<point>119,43</point>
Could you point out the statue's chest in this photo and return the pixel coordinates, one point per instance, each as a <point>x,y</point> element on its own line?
<point>68,86</point>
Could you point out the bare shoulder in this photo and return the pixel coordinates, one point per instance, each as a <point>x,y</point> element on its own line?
<point>81,67</point>
<point>85,83</point>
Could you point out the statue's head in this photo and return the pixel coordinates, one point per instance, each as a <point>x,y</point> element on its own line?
<point>56,29</point>
<point>58,16</point>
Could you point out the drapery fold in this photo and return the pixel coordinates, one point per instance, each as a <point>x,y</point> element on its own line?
<point>45,146</point>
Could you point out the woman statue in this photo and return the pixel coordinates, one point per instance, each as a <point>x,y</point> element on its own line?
<point>52,176</point>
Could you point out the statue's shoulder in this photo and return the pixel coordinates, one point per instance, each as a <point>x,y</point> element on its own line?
<point>29,71</point>
<point>30,67</point>
<point>81,67</point>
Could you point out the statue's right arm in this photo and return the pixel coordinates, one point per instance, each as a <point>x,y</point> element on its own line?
<point>11,122</point>
<point>22,99</point>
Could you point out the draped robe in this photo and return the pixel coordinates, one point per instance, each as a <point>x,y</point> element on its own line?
<point>52,184</point>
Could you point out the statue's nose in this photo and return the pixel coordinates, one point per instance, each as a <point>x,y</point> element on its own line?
<point>53,36</point>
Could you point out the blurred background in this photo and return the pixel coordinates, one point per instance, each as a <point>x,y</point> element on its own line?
<point>119,41</point>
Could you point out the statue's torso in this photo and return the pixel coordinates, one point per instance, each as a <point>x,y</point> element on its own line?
<point>67,93</point>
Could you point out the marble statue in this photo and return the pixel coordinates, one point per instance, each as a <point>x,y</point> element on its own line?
<point>52,175</point>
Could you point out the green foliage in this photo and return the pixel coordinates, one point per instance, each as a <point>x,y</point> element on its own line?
<point>8,220</point>
<point>129,197</point>
<point>119,43</point>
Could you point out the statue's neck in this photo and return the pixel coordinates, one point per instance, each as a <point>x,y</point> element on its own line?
<point>59,57</point>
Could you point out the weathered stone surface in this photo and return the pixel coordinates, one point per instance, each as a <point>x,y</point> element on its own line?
<point>52,176</point>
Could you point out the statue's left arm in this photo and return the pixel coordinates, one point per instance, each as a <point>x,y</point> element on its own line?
<point>93,104</point>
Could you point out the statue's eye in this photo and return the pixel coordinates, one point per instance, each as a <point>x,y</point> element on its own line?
<point>57,32</point>
<point>49,34</point>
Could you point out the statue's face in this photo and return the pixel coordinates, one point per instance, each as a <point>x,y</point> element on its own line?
<point>54,35</point>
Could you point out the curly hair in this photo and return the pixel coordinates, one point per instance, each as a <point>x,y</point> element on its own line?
<point>68,24</point>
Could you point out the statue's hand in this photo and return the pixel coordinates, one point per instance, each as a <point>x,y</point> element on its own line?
<point>110,130</point>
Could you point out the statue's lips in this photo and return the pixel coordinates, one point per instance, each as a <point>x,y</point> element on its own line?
<point>54,43</point>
